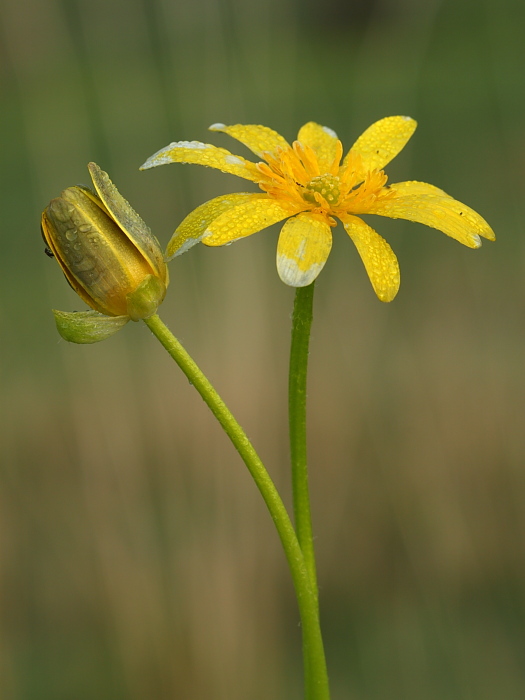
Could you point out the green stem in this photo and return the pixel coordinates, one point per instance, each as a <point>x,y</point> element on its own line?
<point>316,677</point>
<point>301,324</point>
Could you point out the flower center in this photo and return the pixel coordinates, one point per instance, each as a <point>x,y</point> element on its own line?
<point>327,185</point>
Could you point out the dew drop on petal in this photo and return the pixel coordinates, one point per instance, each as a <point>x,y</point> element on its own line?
<point>233,160</point>
<point>329,131</point>
<point>196,145</point>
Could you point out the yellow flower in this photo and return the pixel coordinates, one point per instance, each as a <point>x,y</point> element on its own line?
<point>107,254</point>
<point>308,184</point>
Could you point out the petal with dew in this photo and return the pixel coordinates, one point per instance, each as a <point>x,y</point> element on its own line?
<point>415,187</point>
<point>244,219</point>
<point>378,257</point>
<point>259,139</point>
<point>323,141</point>
<point>382,141</point>
<point>193,227</point>
<point>128,220</point>
<point>437,211</point>
<point>203,154</point>
<point>304,245</point>
<point>102,265</point>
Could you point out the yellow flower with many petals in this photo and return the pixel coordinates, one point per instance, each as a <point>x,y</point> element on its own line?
<point>307,184</point>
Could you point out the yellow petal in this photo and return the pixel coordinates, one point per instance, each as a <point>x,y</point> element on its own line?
<point>415,187</point>
<point>382,141</point>
<point>51,232</point>
<point>245,219</point>
<point>304,245</point>
<point>203,154</point>
<point>322,140</point>
<point>259,139</point>
<point>192,229</point>
<point>128,220</point>
<point>378,257</point>
<point>437,211</point>
<point>101,264</point>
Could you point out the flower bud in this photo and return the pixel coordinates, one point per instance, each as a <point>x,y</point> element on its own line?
<point>107,253</point>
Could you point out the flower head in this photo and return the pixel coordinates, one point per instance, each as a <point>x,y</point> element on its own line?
<point>310,185</point>
<point>107,254</point>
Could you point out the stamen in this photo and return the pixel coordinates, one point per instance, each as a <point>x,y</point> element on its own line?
<point>308,159</point>
<point>271,174</point>
<point>334,168</point>
<point>363,195</point>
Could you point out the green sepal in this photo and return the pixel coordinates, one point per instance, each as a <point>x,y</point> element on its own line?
<point>144,301</point>
<point>87,326</point>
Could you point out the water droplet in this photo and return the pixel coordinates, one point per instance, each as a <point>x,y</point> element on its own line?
<point>59,211</point>
<point>77,218</point>
<point>71,234</point>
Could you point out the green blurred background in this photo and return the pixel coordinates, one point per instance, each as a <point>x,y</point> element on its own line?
<point>137,561</point>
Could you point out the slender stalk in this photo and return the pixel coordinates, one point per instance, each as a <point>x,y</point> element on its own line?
<point>301,324</point>
<point>316,677</point>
